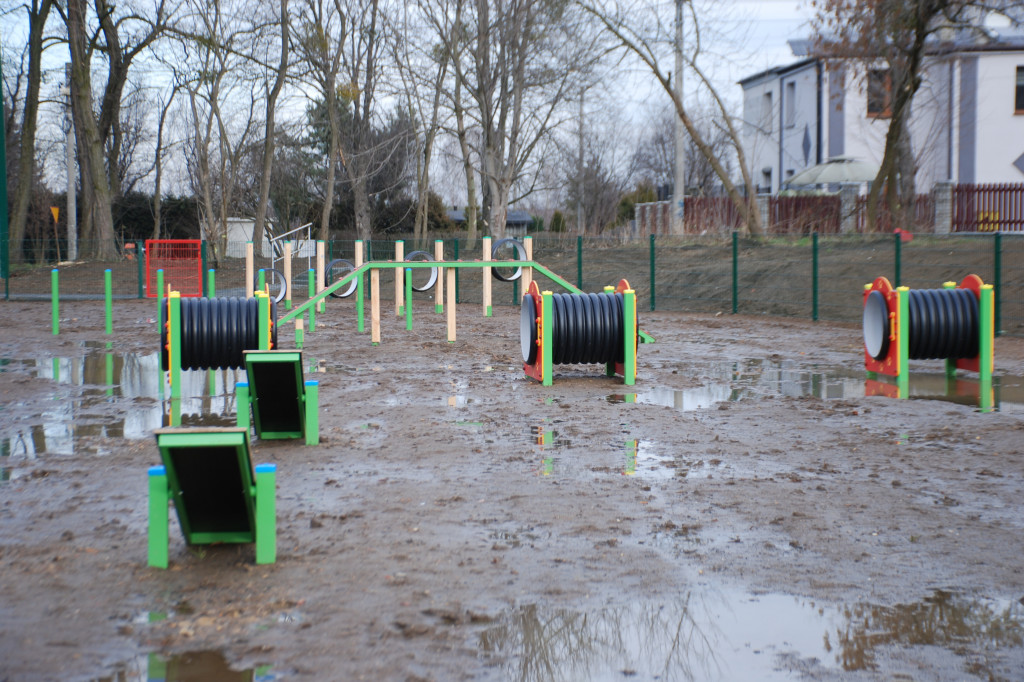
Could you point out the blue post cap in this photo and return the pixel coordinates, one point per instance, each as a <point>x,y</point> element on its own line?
<point>107,270</point>
<point>54,270</point>
<point>312,382</point>
<point>241,384</point>
<point>159,470</point>
<point>266,468</point>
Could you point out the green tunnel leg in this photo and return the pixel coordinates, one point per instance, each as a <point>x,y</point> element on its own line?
<point>548,315</point>
<point>158,517</point>
<point>312,401</point>
<point>902,320</point>
<point>985,344</point>
<point>266,513</point>
<point>629,319</point>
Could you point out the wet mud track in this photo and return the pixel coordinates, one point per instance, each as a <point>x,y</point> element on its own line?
<point>743,512</point>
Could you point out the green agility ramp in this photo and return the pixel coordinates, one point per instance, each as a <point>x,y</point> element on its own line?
<point>283,405</point>
<point>208,474</point>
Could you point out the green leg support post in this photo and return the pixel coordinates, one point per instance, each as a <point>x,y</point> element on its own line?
<point>298,337</point>
<point>548,307</point>
<point>159,291</point>
<point>360,317</point>
<point>108,296</point>
<point>987,332</point>
<point>266,513</point>
<point>261,280</point>
<point>174,317</point>
<point>902,319</point>
<point>312,401</point>
<point>211,283</point>
<point>242,405</point>
<point>609,367</point>
<point>312,308</point>
<point>408,299</point>
<point>264,320</point>
<point>629,322</point>
<point>158,517</point>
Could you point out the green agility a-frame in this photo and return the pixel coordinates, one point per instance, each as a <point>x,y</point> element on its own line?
<point>283,404</point>
<point>207,473</point>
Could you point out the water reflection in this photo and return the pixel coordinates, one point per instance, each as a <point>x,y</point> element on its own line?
<point>547,441</point>
<point>760,379</point>
<point>109,381</point>
<point>190,666</point>
<point>733,636</point>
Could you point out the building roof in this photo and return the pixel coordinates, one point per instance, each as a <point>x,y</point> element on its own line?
<point>777,71</point>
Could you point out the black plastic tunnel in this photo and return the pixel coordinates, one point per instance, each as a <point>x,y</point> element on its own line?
<point>216,331</point>
<point>943,323</point>
<point>585,329</point>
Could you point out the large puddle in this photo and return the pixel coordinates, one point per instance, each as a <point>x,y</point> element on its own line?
<point>727,635</point>
<point>190,666</point>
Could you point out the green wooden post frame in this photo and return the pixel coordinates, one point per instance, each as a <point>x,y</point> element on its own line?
<point>283,404</point>
<point>207,474</point>
<point>547,306</point>
<point>408,297</point>
<point>629,349</point>
<point>242,406</point>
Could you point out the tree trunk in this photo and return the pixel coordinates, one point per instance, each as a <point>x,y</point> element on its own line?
<point>268,139</point>
<point>361,204</point>
<point>27,159</point>
<point>95,189</point>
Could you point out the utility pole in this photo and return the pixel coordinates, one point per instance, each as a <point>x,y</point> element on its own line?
<point>71,212</point>
<point>580,225</point>
<point>679,187</point>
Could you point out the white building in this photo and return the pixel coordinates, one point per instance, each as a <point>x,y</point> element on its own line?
<point>966,123</point>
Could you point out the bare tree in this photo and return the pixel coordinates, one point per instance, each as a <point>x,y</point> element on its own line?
<point>280,75</point>
<point>520,65</point>
<point>38,12</point>
<point>898,34</point>
<point>649,43</point>
<point>655,156</point>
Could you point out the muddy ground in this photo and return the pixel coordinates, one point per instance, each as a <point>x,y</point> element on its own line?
<point>459,521</point>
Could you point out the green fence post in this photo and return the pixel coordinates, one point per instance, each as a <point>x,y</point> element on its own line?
<point>408,299</point>
<point>160,293</point>
<point>312,308</point>
<point>652,273</point>
<point>312,407</point>
<point>211,283</point>
<point>897,257</point>
<point>814,277</point>
<point>55,301</point>
<point>202,259</point>
<point>735,271</point>
<point>108,296</point>
<point>579,262</point>
<point>141,268</point>
<point>997,281</point>
<point>243,406</point>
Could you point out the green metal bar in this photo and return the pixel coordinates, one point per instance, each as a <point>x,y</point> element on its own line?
<point>439,286</point>
<point>312,401</point>
<point>986,323</point>
<point>211,283</point>
<point>408,299</point>
<point>108,296</point>
<point>997,282</point>
<point>735,272</point>
<point>54,299</point>
<point>579,262</point>
<point>266,513</point>
<point>455,248</point>
<point>361,298</point>
<point>897,258</point>
<point>814,277</point>
<point>159,517</point>
<point>653,278</point>
<point>243,405</point>
<point>141,268</point>
<point>547,306</point>
<point>629,322</point>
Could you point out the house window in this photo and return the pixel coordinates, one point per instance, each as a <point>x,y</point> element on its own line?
<point>879,93</point>
<point>766,112</point>
<point>1019,99</point>
<point>790,104</point>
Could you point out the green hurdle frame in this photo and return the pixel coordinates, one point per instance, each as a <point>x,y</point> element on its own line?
<point>207,474</point>
<point>283,404</point>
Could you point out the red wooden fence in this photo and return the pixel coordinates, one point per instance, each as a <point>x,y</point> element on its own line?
<point>988,208</point>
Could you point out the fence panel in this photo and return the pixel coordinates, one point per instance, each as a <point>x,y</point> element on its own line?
<point>988,208</point>
<point>804,214</point>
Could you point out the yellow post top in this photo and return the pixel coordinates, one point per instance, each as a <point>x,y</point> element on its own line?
<point>547,293</point>
<point>174,294</point>
<point>629,291</point>
<point>986,286</point>
<point>867,286</point>
<point>902,288</point>
<point>949,285</point>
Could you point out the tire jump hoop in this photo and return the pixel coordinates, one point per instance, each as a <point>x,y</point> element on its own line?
<point>955,323</point>
<point>579,328</point>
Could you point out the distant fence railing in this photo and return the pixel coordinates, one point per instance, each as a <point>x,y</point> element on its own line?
<point>804,214</point>
<point>812,276</point>
<point>988,208</point>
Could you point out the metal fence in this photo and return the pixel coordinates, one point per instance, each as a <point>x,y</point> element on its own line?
<point>811,276</point>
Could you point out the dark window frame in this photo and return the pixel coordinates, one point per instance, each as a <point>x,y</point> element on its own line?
<point>877,91</point>
<point>1018,100</point>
